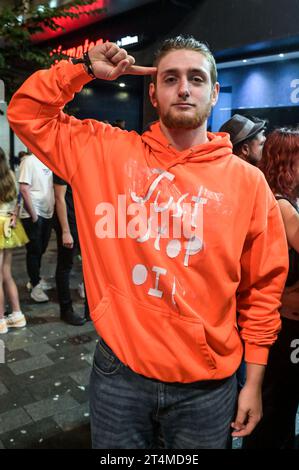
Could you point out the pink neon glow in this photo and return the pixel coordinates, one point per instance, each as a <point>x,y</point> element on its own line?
<point>77,51</point>
<point>71,24</point>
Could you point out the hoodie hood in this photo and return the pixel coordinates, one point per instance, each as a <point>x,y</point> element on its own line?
<point>163,155</point>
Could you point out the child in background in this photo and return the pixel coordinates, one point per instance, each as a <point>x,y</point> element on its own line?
<point>12,235</point>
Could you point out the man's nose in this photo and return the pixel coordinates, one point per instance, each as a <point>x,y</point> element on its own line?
<point>184,90</point>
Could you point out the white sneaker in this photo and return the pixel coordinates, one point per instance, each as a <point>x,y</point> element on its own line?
<point>3,326</point>
<point>81,290</point>
<point>16,320</point>
<point>38,294</point>
<point>45,285</point>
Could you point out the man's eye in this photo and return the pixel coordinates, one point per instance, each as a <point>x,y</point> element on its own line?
<point>170,79</point>
<point>197,79</point>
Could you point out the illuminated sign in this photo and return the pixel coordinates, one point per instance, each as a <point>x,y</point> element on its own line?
<point>128,40</point>
<point>78,51</point>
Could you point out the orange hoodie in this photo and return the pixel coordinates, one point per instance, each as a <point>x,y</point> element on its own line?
<point>165,304</point>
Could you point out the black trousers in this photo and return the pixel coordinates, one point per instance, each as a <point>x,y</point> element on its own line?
<point>276,430</point>
<point>65,261</point>
<point>39,234</point>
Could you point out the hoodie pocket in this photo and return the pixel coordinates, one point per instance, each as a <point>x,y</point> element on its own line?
<point>203,345</point>
<point>152,341</point>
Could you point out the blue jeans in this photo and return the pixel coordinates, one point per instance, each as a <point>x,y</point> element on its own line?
<point>129,411</point>
<point>241,375</point>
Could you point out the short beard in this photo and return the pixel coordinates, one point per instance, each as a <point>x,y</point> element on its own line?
<point>172,121</point>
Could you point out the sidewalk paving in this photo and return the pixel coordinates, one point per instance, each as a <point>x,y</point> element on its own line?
<point>44,380</point>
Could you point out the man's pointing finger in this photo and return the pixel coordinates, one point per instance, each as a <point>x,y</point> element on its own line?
<point>139,70</point>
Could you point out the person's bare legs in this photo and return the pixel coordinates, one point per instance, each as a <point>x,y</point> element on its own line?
<point>10,287</point>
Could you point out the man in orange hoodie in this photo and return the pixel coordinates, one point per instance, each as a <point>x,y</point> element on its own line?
<point>177,234</point>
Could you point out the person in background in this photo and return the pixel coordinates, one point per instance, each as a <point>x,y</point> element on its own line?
<point>12,235</point>
<point>36,188</point>
<point>16,169</point>
<point>247,136</point>
<point>67,246</point>
<point>164,306</point>
<point>22,154</point>
<point>121,123</point>
<point>276,430</point>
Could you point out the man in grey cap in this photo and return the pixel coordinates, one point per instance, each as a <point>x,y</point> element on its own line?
<point>247,137</point>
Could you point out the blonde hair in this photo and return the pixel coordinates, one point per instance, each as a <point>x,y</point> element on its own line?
<point>8,190</point>
<point>191,44</point>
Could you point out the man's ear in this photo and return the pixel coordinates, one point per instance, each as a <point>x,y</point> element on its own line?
<point>245,150</point>
<point>215,94</point>
<point>152,94</point>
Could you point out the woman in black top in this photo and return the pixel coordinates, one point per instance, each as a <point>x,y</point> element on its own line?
<point>280,164</point>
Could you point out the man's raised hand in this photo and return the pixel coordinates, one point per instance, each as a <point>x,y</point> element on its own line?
<point>110,61</point>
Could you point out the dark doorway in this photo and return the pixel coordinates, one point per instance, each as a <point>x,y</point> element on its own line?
<point>104,100</point>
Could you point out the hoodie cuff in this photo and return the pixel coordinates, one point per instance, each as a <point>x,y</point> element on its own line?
<point>74,75</point>
<point>256,354</point>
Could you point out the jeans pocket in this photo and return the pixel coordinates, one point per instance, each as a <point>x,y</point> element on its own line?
<point>105,362</point>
